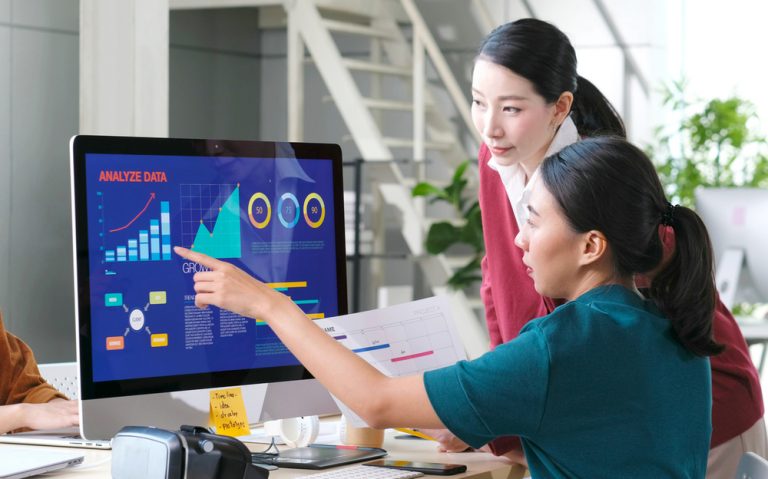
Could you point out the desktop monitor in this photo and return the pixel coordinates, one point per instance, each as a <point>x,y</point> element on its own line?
<point>738,226</point>
<point>147,355</point>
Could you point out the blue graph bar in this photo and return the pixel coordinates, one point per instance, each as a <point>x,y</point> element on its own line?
<point>109,256</point>
<point>165,228</point>
<point>307,301</point>
<point>143,245</point>
<point>154,240</point>
<point>370,348</point>
<point>133,251</point>
<point>121,253</point>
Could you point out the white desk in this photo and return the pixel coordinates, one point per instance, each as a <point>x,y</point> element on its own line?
<point>479,465</point>
<point>755,332</point>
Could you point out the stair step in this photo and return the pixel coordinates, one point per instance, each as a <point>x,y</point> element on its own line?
<point>455,222</point>
<point>371,67</point>
<point>382,104</point>
<point>357,29</point>
<point>408,143</point>
<point>456,262</point>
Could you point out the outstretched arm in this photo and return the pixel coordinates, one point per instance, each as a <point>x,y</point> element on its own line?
<point>380,400</point>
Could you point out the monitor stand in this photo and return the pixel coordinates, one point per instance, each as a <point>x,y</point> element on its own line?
<point>728,275</point>
<point>103,418</point>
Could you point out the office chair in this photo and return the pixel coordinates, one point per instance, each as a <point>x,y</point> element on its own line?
<point>62,376</point>
<point>752,466</point>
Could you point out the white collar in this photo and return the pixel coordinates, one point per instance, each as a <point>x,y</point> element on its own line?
<point>566,135</point>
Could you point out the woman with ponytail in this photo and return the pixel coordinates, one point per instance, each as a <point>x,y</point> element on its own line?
<point>528,103</point>
<point>609,384</point>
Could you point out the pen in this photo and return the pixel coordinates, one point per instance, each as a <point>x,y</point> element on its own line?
<point>414,432</point>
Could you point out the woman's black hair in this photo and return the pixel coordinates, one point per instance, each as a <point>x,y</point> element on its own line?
<point>541,53</point>
<point>609,185</point>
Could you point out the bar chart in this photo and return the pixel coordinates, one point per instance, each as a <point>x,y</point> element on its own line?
<point>300,297</point>
<point>149,238</point>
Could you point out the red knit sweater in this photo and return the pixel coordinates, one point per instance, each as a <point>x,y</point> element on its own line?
<point>511,301</point>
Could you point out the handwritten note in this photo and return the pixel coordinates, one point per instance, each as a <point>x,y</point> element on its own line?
<point>228,412</point>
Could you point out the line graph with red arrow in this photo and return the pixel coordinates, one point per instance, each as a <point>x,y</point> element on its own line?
<point>143,210</point>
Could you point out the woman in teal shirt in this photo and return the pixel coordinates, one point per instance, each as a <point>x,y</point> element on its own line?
<point>607,385</point>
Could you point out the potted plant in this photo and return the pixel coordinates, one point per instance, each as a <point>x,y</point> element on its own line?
<point>469,230</point>
<point>714,143</point>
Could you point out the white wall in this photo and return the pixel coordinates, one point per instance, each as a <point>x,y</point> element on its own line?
<point>215,73</point>
<point>720,48</point>
<point>38,114</point>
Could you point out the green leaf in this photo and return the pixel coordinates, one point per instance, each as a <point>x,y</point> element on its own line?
<point>441,236</point>
<point>466,275</point>
<point>472,232</point>
<point>428,189</point>
<point>459,173</point>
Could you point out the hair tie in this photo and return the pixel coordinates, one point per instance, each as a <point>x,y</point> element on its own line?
<point>668,217</point>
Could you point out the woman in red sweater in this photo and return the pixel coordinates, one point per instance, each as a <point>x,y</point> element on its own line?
<point>528,102</point>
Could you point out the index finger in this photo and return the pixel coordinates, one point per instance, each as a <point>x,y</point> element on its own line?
<point>200,258</point>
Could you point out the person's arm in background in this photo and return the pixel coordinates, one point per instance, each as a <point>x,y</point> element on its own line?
<point>26,399</point>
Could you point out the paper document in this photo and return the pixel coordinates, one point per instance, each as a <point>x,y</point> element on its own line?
<point>399,340</point>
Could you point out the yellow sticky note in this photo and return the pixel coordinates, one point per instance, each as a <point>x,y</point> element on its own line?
<point>228,412</point>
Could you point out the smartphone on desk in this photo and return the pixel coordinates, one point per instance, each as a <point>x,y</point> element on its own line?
<point>435,468</point>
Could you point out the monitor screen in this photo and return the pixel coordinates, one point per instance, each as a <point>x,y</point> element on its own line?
<point>736,221</point>
<point>273,209</point>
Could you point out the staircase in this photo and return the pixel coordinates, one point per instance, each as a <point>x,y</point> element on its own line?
<point>314,25</point>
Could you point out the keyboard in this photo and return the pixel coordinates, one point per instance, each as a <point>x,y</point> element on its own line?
<point>366,472</point>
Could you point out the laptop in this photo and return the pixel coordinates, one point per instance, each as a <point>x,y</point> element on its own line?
<point>17,463</point>
<point>68,437</point>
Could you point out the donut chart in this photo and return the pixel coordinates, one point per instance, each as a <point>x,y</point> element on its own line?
<point>311,210</point>
<point>264,211</point>
<point>289,210</point>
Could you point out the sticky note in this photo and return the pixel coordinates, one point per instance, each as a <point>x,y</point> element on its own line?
<point>228,412</point>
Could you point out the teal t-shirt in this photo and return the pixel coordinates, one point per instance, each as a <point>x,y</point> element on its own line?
<point>598,388</point>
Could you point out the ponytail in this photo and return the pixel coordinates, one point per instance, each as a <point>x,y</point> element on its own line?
<point>608,185</point>
<point>684,290</point>
<point>593,114</point>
